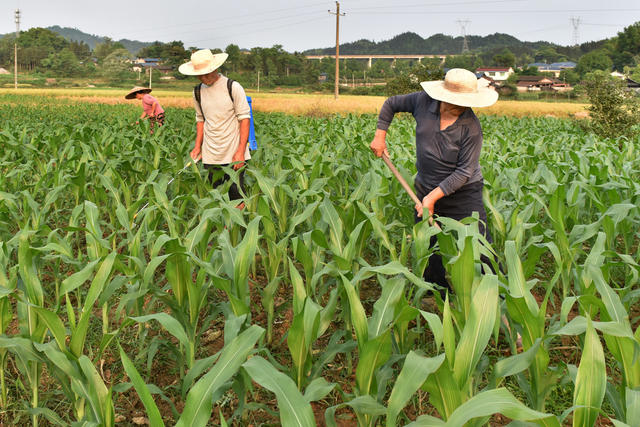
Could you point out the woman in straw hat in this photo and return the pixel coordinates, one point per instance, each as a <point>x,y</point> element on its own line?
<point>222,120</point>
<point>448,142</point>
<point>150,106</point>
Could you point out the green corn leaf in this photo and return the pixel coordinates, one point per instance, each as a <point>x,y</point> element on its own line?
<point>155,418</point>
<point>591,380</point>
<point>318,389</point>
<point>172,325</point>
<point>433,320</point>
<point>358,315</point>
<point>384,307</point>
<point>462,271</point>
<point>29,272</point>
<point>414,373</point>
<point>516,363</point>
<point>484,404</point>
<point>77,279</point>
<point>245,253</point>
<point>55,325</point>
<point>373,354</point>
<point>477,330</point>
<point>632,400</point>
<point>295,410</point>
<point>299,291</point>
<point>448,333</point>
<point>197,409</point>
<point>517,282</point>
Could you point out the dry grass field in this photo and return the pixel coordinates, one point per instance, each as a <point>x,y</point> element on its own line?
<point>304,104</point>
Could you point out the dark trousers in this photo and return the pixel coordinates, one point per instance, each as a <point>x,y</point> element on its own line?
<point>217,177</point>
<point>459,205</point>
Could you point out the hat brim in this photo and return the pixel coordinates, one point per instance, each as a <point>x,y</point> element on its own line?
<point>484,97</point>
<point>188,70</point>
<point>132,94</point>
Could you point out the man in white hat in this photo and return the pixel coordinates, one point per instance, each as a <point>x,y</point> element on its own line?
<point>222,119</point>
<point>448,143</point>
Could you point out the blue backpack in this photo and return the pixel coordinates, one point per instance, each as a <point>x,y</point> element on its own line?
<point>253,144</point>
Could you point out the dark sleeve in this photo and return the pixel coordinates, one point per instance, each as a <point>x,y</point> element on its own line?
<point>397,104</point>
<point>468,161</point>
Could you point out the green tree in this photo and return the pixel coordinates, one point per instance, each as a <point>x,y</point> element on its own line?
<point>468,62</point>
<point>410,82</point>
<point>570,76</point>
<point>595,60</point>
<point>505,59</point>
<point>104,49</point>
<point>63,63</point>
<point>81,50</point>
<point>117,65</point>
<point>235,56</point>
<point>614,110</point>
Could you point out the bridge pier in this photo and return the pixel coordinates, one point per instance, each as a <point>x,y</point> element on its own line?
<point>370,62</point>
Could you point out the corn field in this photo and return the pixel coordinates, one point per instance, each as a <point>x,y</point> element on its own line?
<point>127,298</point>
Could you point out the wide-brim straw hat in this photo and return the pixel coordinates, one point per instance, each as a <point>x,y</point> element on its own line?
<point>461,87</point>
<point>136,89</point>
<point>203,62</point>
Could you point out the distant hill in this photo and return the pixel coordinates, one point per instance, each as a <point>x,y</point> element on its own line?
<point>132,46</point>
<point>412,43</point>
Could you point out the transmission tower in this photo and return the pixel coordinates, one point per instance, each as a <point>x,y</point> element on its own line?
<point>463,30</point>
<point>576,27</point>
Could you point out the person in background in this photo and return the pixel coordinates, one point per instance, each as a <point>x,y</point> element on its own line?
<point>448,143</point>
<point>222,120</point>
<point>150,106</point>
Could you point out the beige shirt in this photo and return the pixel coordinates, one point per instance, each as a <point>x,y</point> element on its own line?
<point>222,124</point>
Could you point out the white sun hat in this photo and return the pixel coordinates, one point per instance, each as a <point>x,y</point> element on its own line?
<point>203,62</point>
<point>461,87</point>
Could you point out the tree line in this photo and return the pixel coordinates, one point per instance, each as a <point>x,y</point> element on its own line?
<point>44,51</point>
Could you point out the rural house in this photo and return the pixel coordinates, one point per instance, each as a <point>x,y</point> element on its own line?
<point>497,74</point>
<point>536,83</point>
<point>555,68</point>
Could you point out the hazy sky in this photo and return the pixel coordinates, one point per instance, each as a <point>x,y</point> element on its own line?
<point>305,24</point>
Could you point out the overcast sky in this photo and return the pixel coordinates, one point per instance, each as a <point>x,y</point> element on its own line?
<point>305,24</point>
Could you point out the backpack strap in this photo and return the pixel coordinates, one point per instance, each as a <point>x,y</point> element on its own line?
<point>229,84</point>
<point>197,94</point>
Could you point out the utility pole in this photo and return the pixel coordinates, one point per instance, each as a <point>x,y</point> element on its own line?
<point>338,14</point>
<point>463,29</point>
<point>258,80</point>
<point>150,74</point>
<point>15,50</point>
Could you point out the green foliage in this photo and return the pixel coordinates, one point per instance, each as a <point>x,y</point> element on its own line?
<point>506,58</point>
<point>102,299</point>
<point>614,110</point>
<point>63,64</point>
<point>410,82</point>
<point>596,60</point>
<point>468,62</point>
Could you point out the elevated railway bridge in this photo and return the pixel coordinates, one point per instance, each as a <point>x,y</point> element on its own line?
<point>370,58</point>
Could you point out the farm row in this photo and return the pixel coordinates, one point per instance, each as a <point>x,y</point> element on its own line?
<point>308,307</point>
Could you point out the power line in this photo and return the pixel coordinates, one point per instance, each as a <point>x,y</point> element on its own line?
<point>396,6</point>
<point>260,14</point>
<point>261,30</point>
<point>494,12</point>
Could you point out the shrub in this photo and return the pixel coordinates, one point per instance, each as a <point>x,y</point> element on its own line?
<point>614,109</point>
